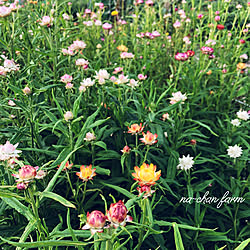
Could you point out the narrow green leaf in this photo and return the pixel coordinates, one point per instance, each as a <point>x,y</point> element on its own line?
<point>243,244</point>
<point>177,237</point>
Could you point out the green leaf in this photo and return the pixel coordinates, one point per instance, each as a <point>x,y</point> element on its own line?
<point>243,244</point>
<point>177,237</point>
<point>8,194</point>
<point>55,197</point>
<point>101,144</point>
<point>76,105</point>
<point>102,171</point>
<point>119,189</point>
<point>19,207</point>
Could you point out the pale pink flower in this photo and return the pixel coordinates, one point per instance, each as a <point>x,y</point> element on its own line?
<point>156,33</point>
<point>46,20</point>
<point>132,83</point>
<point>98,23</point>
<point>217,18</point>
<point>82,63</point>
<point>69,85</point>
<point>4,11</point>
<point>68,116</point>
<point>66,78</point>
<point>122,79</point>
<point>178,96</point>
<point>177,24</point>
<point>8,151</point>
<point>101,75</point>
<point>10,65</point>
<point>78,45</point>
<point>66,16</point>
<point>107,26</point>
<point>3,71</point>
<point>87,82</point>
<point>89,137</point>
<point>126,55</point>
<point>11,103</point>
<point>82,89</point>
<point>27,90</point>
<point>142,77</point>
<point>117,70</point>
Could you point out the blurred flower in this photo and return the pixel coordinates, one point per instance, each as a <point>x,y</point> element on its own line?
<point>98,23</point>
<point>3,71</point>
<point>114,13</point>
<point>146,174</point>
<point>22,186</point>
<point>149,3</point>
<point>86,173</point>
<point>27,91</point>
<point>209,72</point>
<point>238,6</point>
<point>66,167</point>
<point>135,129</point>
<point>243,115</point>
<point>142,77</point>
<point>242,41</point>
<point>217,18</point>
<point>78,45</point>
<point>122,48</point>
<point>210,42</point>
<point>234,151</point>
<point>177,24</point>
<point>10,65</point>
<point>149,138</point>
<point>133,83</point>
<point>126,55</point>
<point>117,214</point>
<point>66,16</point>
<point>199,16</point>
<point>46,20</point>
<point>8,151</point>
<point>117,70</point>
<point>193,142</point>
<point>87,82</point>
<point>207,50</point>
<point>66,78</point>
<point>181,56</point>
<point>82,63</point>
<point>26,173</point>
<point>190,53</point>
<point>40,174</point>
<point>126,150</point>
<point>235,122</point>
<point>147,189</point>
<point>82,88</point>
<point>241,66</point>
<point>11,103</point>
<point>4,11</point>
<point>95,221</point>
<point>122,79</point>
<point>220,27</point>
<point>69,85</point>
<point>107,26</point>
<point>178,96</point>
<point>89,137</point>
<point>68,116</point>
<point>244,56</point>
<point>165,116</point>
<point>101,75</point>
<point>185,163</point>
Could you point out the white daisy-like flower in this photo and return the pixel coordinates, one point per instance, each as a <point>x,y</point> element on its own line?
<point>178,96</point>
<point>186,162</point>
<point>236,122</point>
<point>234,151</point>
<point>243,115</point>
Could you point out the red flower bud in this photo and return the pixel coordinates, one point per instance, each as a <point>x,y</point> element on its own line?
<point>220,27</point>
<point>27,172</point>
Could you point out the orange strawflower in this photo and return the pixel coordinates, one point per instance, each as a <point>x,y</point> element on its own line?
<point>241,66</point>
<point>135,128</point>
<point>149,138</point>
<point>122,48</point>
<point>67,166</point>
<point>146,174</point>
<point>86,173</point>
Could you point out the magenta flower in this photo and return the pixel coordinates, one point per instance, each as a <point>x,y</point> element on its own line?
<point>181,56</point>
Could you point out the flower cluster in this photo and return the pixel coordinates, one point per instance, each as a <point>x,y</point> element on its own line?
<point>8,151</point>
<point>74,47</point>
<point>116,217</point>
<point>8,66</point>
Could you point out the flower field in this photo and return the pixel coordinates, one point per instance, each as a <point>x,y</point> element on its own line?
<point>124,124</point>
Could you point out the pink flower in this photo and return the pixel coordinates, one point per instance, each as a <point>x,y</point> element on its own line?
<point>117,70</point>
<point>126,55</point>
<point>68,116</point>
<point>149,3</point>
<point>11,103</point>
<point>156,33</point>
<point>181,56</point>
<point>217,18</point>
<point>10,65</point>
<point>107,26</point>
<point>142,77</point>
<point>117,214</point>
<point>82,63</point>
<point>66,78</point>
<point>8,151</point>
<point>27,173</point>
<point>207,50</point>
<point>46,20</point>
<point>89,137</point>
<point>149,138</point>
<point>126,150</point>
<point>69,85</point>
<point>177,24</point>
<point>4,11</point>
<point>27,91</point>
<point>22,186</point>
<point>200,16</point>
<point>146,189</point>
<point>78,45</point>
<point>95,222</point>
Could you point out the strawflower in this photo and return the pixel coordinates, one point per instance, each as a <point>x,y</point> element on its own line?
<point>243,115</point>
<point>146,174</point>
<point>178,96</point>
<point>8,151</point>
<point>234,151</point>
<point>135,129</point>
<point>185,163</point>
<point>86,173</point>
<point>149,138</point>
<point>117,214</point>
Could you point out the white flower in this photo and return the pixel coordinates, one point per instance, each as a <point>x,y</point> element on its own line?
<point>102,75</point>
<point>87,82</point>
<point>244,56</point>
<point>178,96</point>
<point>133,83</point>
<point>186,162</point>
<point>235,122</point>
<point>122,79</point>
<point>243,115</point>
<point>234,151</point>
<point>8,151</point>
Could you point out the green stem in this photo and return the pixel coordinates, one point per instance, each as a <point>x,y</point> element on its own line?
<point>143,222</point>
<point>145,157</point>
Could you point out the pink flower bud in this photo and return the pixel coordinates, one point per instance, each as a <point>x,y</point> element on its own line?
<point>117,214</point>
<point>22,186</point>
<point>95,221</point>
<point>126,150</point>
<point>217,18</point>
<point>27,173</point>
